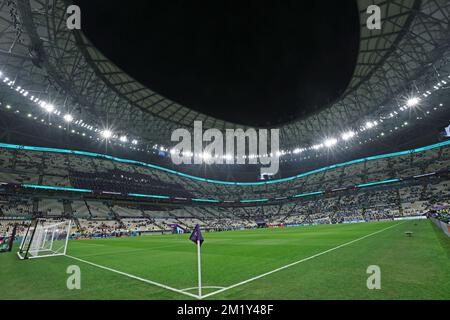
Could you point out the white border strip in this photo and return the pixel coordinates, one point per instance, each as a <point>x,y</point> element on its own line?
<point>295,263</point>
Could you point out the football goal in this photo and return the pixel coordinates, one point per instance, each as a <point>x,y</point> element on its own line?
<point>45,239</point>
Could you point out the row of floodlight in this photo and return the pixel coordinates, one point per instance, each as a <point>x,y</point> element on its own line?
<point>49,108</point>
<point>327,143</point>
<point>330,142</point>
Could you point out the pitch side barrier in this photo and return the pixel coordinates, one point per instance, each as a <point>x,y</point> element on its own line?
<point>148,165</point>
<point>442,225</point>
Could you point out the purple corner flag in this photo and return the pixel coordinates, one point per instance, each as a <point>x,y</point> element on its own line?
<point>196,235</point>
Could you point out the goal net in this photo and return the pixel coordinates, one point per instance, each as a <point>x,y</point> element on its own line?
<point>45,239</point>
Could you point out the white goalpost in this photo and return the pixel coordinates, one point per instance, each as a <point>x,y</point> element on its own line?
<point>45,239</point>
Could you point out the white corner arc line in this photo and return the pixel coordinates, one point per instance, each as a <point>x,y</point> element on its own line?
<point>294,263</point>
<point>136,277</point>
<point>203,287</point>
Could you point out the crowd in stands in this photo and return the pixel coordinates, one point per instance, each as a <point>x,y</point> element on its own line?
<point>124,182</point>
<point>441,212</point>
<point>103,217</point>
<point>101,228</point>
<point>354,206</point>
<point>299,214</point>
<point>67,170</point>
<point>6,227</point>
<point>16,208</point>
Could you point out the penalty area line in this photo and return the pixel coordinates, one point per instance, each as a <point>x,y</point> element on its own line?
<point>295,263</point>
<point>136,277</point>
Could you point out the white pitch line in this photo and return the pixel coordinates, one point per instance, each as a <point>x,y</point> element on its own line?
<point>294,263</point>
<point>207,287</point>
<point>135,277</point>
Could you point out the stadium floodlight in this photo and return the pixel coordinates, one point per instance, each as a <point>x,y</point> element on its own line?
<point>106,134</point>
<point>317,146</point>
<point>206,156</point>
<point>370,125</point>
<point>68,118</point>
<point>348,135</point>
<point>123,139</point>
<point>49,108</point>
<point>135,142</point>
<point>330,142</point>
<point>413,102</point>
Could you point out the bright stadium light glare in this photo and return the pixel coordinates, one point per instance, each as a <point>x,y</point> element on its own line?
<point>68,118</point>
<point>206,156</point>
<point>49,108</point>
<point>330,142</point>
<point>123,139</point>
<point>413,102</point>
<point>348,135</point>
<point>135,142</point>
<point>106,134</point>
<point>317,146</point>
<point>369,125</point>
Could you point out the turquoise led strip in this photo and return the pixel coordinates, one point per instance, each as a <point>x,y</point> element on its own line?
<point>253,201</point>
<point>153,196</point>
<point>34,186</point>
<point>308,194</point>
<point>370,184</point>
<point>206,200</point>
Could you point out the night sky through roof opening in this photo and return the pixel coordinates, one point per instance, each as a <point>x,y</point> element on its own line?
<point>258,63</point>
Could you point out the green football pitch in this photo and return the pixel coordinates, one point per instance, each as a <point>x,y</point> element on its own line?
<point>316,262</point>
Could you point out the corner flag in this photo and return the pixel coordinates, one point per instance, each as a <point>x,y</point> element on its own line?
<point>196,235</point>
<point>197,238</point>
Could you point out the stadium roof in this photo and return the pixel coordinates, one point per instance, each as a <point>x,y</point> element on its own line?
<point>62,66</point>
